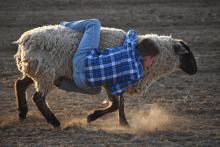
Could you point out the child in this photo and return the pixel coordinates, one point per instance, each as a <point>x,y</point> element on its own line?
<point>115,68</point>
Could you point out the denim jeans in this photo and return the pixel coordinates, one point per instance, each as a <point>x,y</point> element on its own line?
<point>90,40</point>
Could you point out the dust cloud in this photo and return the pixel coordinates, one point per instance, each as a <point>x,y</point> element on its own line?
<point>148,119</point>
<point>155,119</point>
<point>76,122</point>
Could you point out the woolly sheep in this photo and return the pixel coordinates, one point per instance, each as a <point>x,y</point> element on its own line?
<point>44,55</point>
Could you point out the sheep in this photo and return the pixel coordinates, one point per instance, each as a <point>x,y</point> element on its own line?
<point>44,58</point>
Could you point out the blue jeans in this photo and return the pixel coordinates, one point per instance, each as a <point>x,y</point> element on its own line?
<point>90,40</point>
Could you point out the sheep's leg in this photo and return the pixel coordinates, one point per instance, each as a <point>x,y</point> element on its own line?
<point>122,119</point>
<point>20,94</point>
<point>39,100</point>
<point>113,106</point>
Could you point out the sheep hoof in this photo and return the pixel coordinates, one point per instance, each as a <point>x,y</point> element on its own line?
<point>90,118</point>
<point>22,115</point>
<point>124,124</point>
<point>56,124</point>
<point>96,114</point>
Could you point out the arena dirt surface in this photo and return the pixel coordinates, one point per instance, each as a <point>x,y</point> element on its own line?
<point>179,110</point>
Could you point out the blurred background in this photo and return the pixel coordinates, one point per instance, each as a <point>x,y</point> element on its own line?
<point>193,100</point>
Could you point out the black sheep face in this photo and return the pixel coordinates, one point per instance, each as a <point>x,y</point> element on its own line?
<point>186,57</point>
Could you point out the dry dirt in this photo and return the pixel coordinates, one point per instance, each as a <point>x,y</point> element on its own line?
<point>179,110</point>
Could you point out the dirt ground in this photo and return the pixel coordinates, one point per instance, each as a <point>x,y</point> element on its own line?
<point>179,110</point>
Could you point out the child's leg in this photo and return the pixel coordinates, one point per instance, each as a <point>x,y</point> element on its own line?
<point>90,29</point>
<point>90,40</point>
<point>91,35</point>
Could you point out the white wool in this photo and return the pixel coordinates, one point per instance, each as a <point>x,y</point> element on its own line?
<point>45,54</point>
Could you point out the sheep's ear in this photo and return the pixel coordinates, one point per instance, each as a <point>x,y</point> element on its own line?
<point>187,60</point>
<point>15,42</point>
<point>181,47</point>
<point>146,45</point>
<point>185,45</point>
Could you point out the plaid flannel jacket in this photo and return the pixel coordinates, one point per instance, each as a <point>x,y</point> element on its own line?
<point>117,67</point>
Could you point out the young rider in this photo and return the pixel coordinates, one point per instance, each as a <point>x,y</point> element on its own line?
<point>116,68</point>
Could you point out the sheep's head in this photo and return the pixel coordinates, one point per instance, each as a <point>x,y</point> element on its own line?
<point>173,54</point>
<point>186,57</point>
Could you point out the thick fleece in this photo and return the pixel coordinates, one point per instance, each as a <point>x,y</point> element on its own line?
<point>45,54</point>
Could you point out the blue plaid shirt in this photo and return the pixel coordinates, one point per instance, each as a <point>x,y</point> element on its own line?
<point>117,67</point>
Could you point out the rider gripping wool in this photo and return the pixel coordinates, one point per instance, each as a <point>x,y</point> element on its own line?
<point>44,58</point>
<point>115,68</point>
